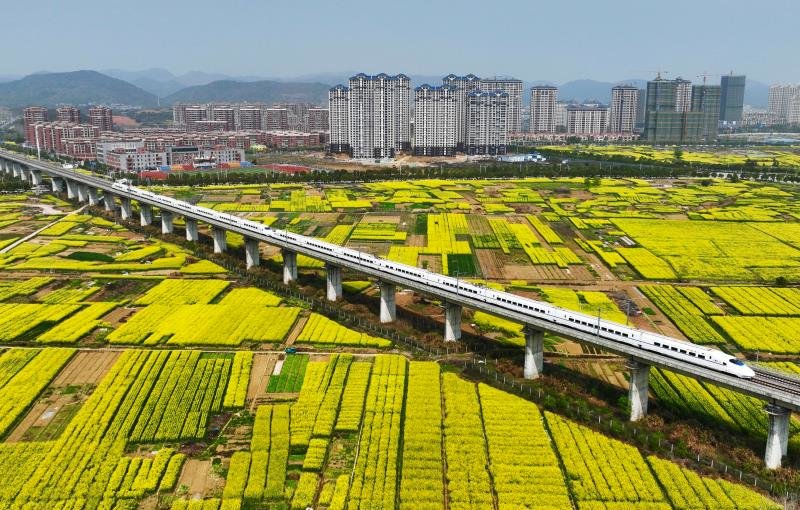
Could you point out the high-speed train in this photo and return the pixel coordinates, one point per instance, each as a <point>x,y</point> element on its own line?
<point>705,357</point>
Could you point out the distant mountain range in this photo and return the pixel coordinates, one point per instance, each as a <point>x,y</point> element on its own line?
<point>149,87</point>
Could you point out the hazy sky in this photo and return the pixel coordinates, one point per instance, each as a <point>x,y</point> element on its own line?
<point>530,39</point>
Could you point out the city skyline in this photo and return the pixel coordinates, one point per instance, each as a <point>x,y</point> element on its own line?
<point>573,42</point>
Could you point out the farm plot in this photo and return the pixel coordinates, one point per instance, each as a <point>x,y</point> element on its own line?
<point>682,311</point>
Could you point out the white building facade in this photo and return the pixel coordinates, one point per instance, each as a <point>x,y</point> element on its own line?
<point>462,86</point>
<point>434,121</point>
<point>513,88</point>
<point>543,109</point>
<point>487,122</point>
<point>587,119</point>
<point>624,108</point>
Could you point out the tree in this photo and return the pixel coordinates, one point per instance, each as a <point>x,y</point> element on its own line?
<point>678,154</point>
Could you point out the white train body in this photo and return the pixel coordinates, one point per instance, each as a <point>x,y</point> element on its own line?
<point>688,352</point>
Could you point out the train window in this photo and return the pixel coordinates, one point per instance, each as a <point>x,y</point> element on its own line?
<point>736,361</point>
<point>657,344</point>
<point>692,354</point>
<point>681,351</point>
<point>673,349</point>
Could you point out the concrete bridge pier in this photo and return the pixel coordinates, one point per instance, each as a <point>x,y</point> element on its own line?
<point>191,230</point>
<point>91,194</point>
<point>777,435</point>
<point>253,256</point>
<point>58,184</point>
<point>452,322</point>
<point>36,177</point>
<point>83,193</point>
<point>145,214</point>
<point>167,222</point>
<point>334,281</point>
<point>16,171</point>
<point>289,266</point>
<point>108,201</point>
<point>72,190</point>
<point>388,307</point>
<point>534,353</point>
<point>220,242</point>
<point>125,209</point>
<point>638,388</point>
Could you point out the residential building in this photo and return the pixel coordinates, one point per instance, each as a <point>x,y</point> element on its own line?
<point>560,117</point>
<point>543,109</point>
<point>666,120</point>
<point>434,121</point>
<point>102,117</point>
<point>338,119</point>
<point>706,100</point>
<point>135,159</point>
<point>68,114</point>
<point>758,117</point>
<point>683,95</point>
<point>487,122</point>
<point>250,119</point>
<point>277,118</point>
<point>378,116</point>
<point>587,119</point>
<point>513,88</point>
<point>66,138</point>
<point>208,126</point>
<point>641,108</point>
<point>31,116</point>
<point>624,104</point>
<point>731,100</point>
<point>462,86</point>
<point>779,98</point>
<point>793,113</point>
<point>226,115</point>
<point>292,139</point>
<point>318,120</point>
<point>192,114</point>
<point>200,156</point>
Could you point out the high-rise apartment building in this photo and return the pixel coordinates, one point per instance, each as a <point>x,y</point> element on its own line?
<point>560,117</point>
<point>641,108</point>
<point>277,118</point>
<point>780,96</point>
<point>683,95</point>
<point>225,114</point>
<point>624,105</point>
<point>68,114</point>
<point>543,109</point>
<point>587,119</point>
<point>250,118</point>
<point>793,113</point>
<point>378,116</point>
<point>434,121</point>
<point>31,116</point>
<point>318,120</point>
<point>513,88</point>
<point>731,101</point>
<point>666,121</point>
<point>706,100</point>
<point>487,122</point>
<point>462,86</point>
<point>339,126</point>
<point>102,117</point>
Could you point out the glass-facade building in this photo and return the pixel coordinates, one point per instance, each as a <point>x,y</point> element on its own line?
<point>732,98</point>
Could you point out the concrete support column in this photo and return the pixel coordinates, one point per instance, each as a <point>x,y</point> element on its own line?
<point>145,214</point>
<point>125,208</point>
<point>167,222</point>
<point>452,322</point>
<point>638,388</point>
<point>36,177</point>
<point>777,435</point>
<point>16,170</point>
<point>220,242</point>
<point>191,230</point>
<point>388,307</point>
<point>108,201</point>
<point>334,280</point>
<point>289,266</point>
<point>72,190</point>
<point>534,353</point>
<point>253,256</point>
<point>91,193</point>
<point>58,184</point>
<point>83,193</point>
